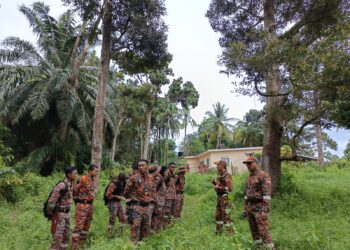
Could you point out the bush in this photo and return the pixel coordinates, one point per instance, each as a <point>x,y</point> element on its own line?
<point>340,163</point>
<point>287,183</point>
<point>10,180</point>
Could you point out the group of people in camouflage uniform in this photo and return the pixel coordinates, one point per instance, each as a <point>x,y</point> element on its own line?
<point>256,202</point>
<point>59,205</point>
<point>153,196</point>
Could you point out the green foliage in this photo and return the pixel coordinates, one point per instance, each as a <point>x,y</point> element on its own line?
<point>249,131</point>
<point>217,123</point>
<point>5,151</point>
<point>287,184</point>
<point>9,181</point>
<point>194,144</point>
<point>347,150</point>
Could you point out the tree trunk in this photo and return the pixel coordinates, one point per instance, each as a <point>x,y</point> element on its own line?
<point>156,145</point>
<point>320,154</point>
<point>63,131</point>
<point>185,141</point>
<point>166,147</point>
<point>218,141</point>
<point>116,133</point>
<point>141,140</point>
<point>273,128</point>
<point>148,134</point>
<point>97,133</point>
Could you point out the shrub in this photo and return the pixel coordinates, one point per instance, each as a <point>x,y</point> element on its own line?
<point>9,181</point>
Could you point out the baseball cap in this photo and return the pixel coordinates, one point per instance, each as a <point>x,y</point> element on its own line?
<point>250,159</point>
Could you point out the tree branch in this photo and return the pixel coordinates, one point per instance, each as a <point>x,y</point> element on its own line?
<point>266,94</point>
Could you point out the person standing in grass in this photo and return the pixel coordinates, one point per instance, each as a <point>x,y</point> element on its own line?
<point>113,198</point>
<point>257,203</point>
<point>157,207</point>
<point>58,207</point>
<point>139,189</point>
<point>128,205</point>
<point>84,195</point>
<point>180,188</point>
<point>170,196</point>
<point>223,186</point>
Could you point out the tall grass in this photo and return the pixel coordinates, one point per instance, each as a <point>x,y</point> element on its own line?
<point>312,212</point>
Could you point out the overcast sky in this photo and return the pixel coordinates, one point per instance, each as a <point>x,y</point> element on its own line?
<point>195,51</point>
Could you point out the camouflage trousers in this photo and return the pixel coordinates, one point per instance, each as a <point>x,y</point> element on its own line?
<point>83,218</point>
<point>115,210</point>
<point>60,231</point>
<point>179,202</point>
<point>157,217</point>
<point>259,224</point>
<point>141,223</point>
<point>222,217</point>
<point>169,210</point>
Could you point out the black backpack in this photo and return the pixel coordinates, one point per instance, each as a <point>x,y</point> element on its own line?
<point>105,199</point>
<point>63,192</point>
<point>118,191</point>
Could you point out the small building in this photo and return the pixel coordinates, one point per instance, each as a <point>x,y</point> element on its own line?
<point>233,156</point>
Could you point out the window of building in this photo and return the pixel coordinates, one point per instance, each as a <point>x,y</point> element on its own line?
<point>227,159</point>
<point>207,161</point>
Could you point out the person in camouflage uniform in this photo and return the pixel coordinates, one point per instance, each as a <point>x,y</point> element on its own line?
<point>114,195</point>
<point>170,196</point>
<point>139,190</point>
<point>59,207</point>
<point>257,203</point>
<point>180,188</point>
<point>128,205</point>
<point>159,198</point>
<point>84,195</point>
<point>222,186</point>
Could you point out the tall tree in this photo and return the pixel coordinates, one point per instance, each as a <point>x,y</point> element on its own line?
<point>98,124</point>
<point>187,95</point>
<point>168,119</point>
<point>255,38</point>
<point>218,123</point>
<point>134,35</point>
<point>36,86</point>
<point>249,131</point>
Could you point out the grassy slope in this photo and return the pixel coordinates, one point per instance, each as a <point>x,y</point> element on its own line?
<point>314,217</point>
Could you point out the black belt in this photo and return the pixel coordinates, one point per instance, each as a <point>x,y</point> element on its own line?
<point>84,201</point>
<point>221,193</point>
<point>114,200</point>
<point>63,209</point>
<point>254,199</point>
<point>179,192</point>
<point>139,203</point>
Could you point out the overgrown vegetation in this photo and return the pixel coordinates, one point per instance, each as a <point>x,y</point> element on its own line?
<point>310,212</point>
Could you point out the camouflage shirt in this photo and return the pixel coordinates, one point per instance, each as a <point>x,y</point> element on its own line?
<point>158,181</point>
<point>85,189</point>
<point>224,183</point>
<point>258,187</point>
<point>170,182</point>
<point>140,188</point>
<point>180,183</point>
<point>56,199</point>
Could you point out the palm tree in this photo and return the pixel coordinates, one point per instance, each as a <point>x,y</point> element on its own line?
<point>168,122</point>
<point>35,79</point>
<point>248,135</point>
<point>218,123</point>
